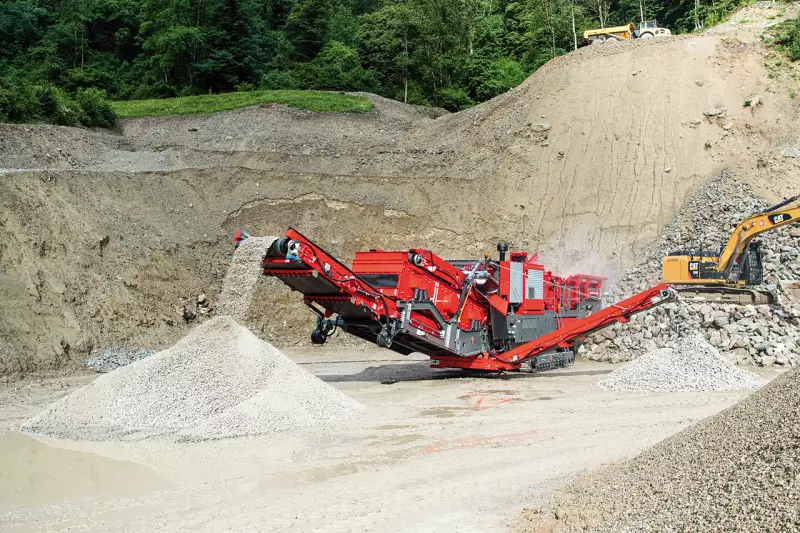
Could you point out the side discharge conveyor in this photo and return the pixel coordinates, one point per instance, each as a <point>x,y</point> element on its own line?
<point>474,314</point>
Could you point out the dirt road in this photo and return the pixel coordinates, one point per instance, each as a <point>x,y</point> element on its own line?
<point>434,451</point>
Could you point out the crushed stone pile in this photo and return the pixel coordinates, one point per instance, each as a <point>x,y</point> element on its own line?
<point>693,365</point>
<point>736,471</point>
<point>241,278</point>
<point>745,334</point>
<point>113,358</point>
<point>219,381</point>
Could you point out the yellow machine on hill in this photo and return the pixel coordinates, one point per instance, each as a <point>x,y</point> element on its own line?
<point>647,29</point>
<point>736,271</point>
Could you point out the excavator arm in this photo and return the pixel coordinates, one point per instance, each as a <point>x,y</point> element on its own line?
<point>734,274</point>
<point>767,220</point>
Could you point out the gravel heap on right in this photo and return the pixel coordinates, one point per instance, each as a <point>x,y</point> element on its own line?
<point>758,335</point>
<point>693,365</point>
<point>219,381</point>
<point>736,471</point>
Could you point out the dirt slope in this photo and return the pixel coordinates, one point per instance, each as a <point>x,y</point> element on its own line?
<point>627,141</point>
<point>583,162</point>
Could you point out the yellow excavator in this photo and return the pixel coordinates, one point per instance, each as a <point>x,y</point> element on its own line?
<point>735,274</point>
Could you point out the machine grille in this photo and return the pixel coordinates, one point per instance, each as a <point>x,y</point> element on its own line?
<point>534,285</point>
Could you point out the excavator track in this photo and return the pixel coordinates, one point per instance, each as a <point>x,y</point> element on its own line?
<point>729,295</point>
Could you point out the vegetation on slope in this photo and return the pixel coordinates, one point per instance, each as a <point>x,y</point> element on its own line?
<point>787,36</point>
<point>451,53</point>
<point>210,103</point>
<point>46,102</point>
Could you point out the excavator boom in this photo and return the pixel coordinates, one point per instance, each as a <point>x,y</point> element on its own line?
<point>753,226</point>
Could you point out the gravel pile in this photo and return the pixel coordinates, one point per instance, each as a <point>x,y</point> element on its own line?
<point>113,358</point>
<point>219,381</point>
<point>240,280</point>
<point>693,365</point>
<point>736,471</point>
<point>760,335</point>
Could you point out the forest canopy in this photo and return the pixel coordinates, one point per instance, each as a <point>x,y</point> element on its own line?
<point>59,59</point>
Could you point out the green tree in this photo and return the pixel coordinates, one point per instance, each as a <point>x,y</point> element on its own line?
<point>307,27</point>
<point>386,38</point>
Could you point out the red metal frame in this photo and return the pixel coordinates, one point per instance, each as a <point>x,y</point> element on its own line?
<point>562,337</point>
<point>420,270</point>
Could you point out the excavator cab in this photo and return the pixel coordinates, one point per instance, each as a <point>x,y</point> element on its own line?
<point>702,267</point>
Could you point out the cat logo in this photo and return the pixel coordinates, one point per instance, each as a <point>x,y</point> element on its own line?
<point>694,268</point>
<point>779,218</point>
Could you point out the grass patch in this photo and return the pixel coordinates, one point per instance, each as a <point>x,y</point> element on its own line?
<point>211,103</point>
<point>787,38</point>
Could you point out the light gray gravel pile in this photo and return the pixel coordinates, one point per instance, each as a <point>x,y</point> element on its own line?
<point>240,280</point>
<point>219,381</point>
<point>736,471</point>
<point>693,365</point>
<point>762,335</point>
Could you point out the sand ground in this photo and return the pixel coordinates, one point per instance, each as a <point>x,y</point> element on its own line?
<point>434,451</point>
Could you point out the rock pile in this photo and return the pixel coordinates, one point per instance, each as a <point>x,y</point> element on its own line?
<point>193,308</point>
<point>693,365</point>
<point>113,358</point>
<point>219,381</point>
<point>736,471</point>
<point>764,335</point>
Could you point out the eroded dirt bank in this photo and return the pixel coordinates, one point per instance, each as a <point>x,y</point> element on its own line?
<point>105,238</point>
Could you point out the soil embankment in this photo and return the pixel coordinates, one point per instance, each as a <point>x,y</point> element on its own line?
<point>106,239</point>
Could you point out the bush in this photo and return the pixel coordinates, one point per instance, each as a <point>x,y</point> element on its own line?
<point>279,80</point>
<point>58,107</point>
<point>454,99</point>
<point>337,67</point>
<point>24,102</point>
<point>793,50</point>
<point>159,89</point>
<point>489,78</point>
<point>415,95</point>
<point>17,104</point>
<point>788,37</point>
<point>245,88</point>
<point>96,109</point>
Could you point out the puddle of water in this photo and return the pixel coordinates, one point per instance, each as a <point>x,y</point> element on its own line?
<point>443,412</point>
<point>391,426</point>
<point>477,401</point>
<point>32,472</point>
<point>323,473</point>
<point>382,440</point>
